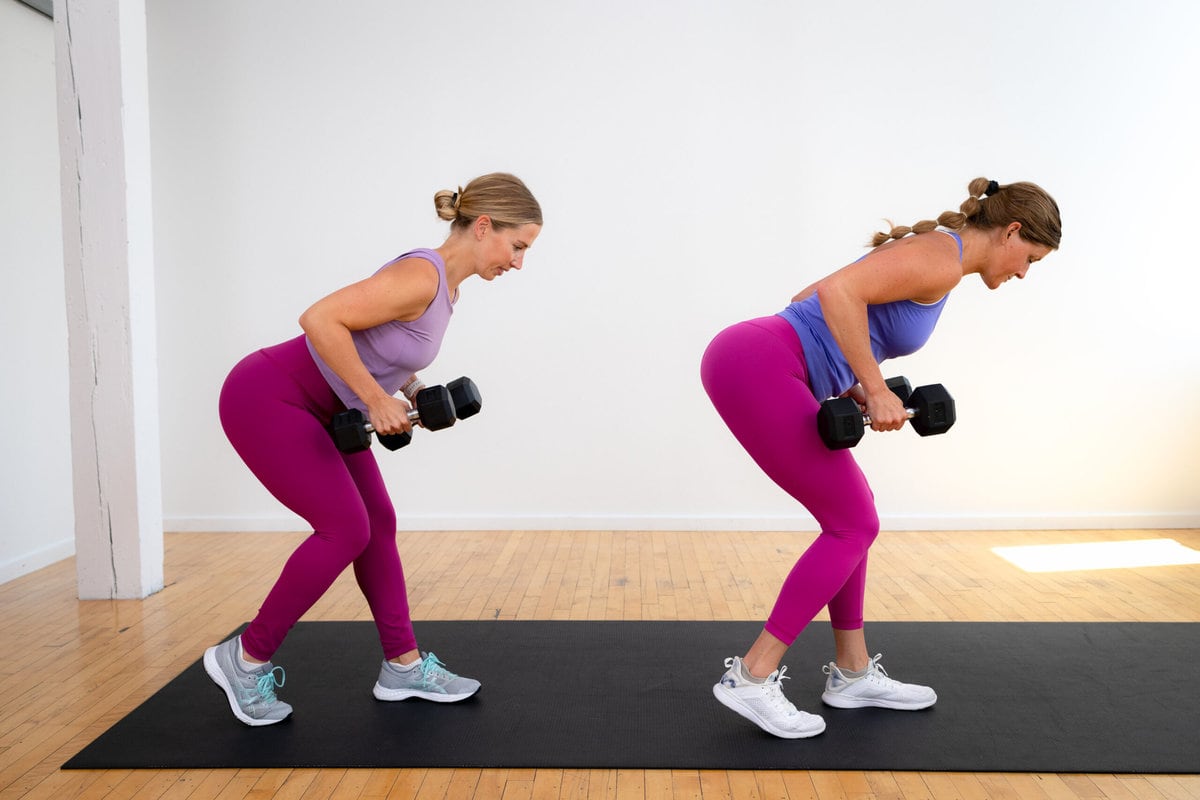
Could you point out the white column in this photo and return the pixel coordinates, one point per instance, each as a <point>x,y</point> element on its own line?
<point>104,142</point>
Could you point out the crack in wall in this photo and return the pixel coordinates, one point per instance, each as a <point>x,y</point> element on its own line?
<point>112,556</point>
<point>93,345</point>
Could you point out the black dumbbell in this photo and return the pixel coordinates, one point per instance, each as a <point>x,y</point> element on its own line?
<point>433,410</point>
<point>352,431</point>
<point>839,425</point>
<point>841,422</point>
<point>900,387</point>
<point>930,409</point>
<point>465,395</point>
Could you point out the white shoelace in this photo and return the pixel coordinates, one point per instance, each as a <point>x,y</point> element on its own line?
<point>879,676</point>
<point>775,696</point>
<point>773,690</point>
<point>876,675</point>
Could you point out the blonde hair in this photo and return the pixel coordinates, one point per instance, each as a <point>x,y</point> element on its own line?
<point>992,205</point>
<point>502,197</point>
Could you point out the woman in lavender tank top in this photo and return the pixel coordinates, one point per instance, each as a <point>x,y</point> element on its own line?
<point>766,378</point>
<point>361,345</point>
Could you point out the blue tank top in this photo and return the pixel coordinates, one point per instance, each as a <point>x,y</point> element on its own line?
<point>896,329</point>
<point>394,350</point>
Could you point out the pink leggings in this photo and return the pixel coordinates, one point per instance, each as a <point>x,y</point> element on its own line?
<point>275,406</point>
<point>756,376</point>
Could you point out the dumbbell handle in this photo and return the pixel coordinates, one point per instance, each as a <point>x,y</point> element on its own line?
<point>414,417</point>
<point>909,413</point>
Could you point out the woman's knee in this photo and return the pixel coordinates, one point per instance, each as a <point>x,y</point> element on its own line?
<point>867,527</point>
<point>859,532</point>
<point>383,521</point>
<point>868,523</point>
<point>348,531</point>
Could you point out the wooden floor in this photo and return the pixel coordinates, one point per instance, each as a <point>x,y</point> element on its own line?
<point>71,669</point>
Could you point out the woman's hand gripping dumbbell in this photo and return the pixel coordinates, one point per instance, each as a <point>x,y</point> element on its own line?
<point>930,410</point>
<point>434,408</point>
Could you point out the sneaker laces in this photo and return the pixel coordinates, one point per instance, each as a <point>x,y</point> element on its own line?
<point>879,675</point>
<point>432,669</point>
<point>267,682</point>
<point>875,673</point>
<point>773,689</point>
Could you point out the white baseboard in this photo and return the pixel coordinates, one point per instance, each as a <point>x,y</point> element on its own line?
<point>1003,522</point>
<point>32,562</point>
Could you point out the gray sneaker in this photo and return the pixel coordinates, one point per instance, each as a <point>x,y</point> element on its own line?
<point>428,679</point>
<point>251,694</point>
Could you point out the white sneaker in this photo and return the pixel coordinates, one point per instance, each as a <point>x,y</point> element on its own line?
<point>764,703</point>
<point>874,689</point>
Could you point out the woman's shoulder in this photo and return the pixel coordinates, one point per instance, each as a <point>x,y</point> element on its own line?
<point>412,275</point>
<point>936,242</point>
<point>922,267</point>
<point>419,258</point>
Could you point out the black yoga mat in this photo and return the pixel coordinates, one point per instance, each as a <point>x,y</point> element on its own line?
<point>1012,697</point>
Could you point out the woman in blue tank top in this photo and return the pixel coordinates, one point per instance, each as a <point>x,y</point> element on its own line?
<point>766,377</point>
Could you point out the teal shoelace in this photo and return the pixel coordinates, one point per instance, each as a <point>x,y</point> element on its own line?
<point>433,670</point>
<point>267,682</point>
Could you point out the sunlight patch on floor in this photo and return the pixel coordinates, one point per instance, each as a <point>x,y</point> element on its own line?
<point>1099,555</point>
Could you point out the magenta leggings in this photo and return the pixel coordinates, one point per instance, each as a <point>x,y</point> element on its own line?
<point>275,406</point>
<point>756,376</point>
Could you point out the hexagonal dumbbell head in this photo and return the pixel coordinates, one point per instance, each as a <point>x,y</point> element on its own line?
<point>394,441</point>
<point>840,423</point>
<point>465,394</point>
<point>435,408</point>
<point>901,388</point>
<point>350,432</point>
<point>934,409</point>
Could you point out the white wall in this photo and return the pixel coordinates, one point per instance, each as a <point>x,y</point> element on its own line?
<point>698,163</point>
<point>37,525</point>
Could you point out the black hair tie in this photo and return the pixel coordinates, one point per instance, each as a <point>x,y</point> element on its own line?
<point>992,188</point>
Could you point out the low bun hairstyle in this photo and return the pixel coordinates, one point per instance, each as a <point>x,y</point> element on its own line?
<point>992,205</point>
<point>500,196</point>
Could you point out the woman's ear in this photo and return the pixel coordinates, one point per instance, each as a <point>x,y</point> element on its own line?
<point>1013,229</point>
<point>482,224</point>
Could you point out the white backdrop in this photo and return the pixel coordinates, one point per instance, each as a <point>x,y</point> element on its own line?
<point>698,163</point>
<point>36,522</point>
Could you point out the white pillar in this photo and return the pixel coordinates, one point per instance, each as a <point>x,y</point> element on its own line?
<point>104,143</point>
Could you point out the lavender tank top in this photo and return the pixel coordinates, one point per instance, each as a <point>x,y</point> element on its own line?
<point>395,350</point>
<point>896,329</point>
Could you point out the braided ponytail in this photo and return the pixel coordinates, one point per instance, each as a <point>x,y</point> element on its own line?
<point>991,205</point>
<point>948,219</point>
